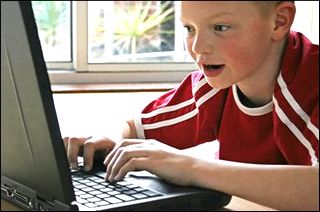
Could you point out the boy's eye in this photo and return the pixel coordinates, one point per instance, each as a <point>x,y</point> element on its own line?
<point>221,27</point>
<point>188,29</point>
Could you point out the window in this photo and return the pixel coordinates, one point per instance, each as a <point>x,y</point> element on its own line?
<point>99,53</point>
<point>140,31</point>
<point>103,41</point>
<point>54,23</point>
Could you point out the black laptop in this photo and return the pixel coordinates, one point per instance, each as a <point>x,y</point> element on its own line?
<point>35,173</point>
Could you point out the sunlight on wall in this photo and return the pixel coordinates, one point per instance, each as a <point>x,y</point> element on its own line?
<point>307,19</point>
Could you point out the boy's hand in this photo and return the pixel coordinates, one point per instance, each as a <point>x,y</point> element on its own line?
<point>160,159</point>
<point>86,147</point>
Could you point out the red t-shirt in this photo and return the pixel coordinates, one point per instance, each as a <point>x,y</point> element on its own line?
<point>284,131</point>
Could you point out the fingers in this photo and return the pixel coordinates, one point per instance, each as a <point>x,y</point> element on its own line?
<point>133,164</point>
<point>125,142</point>
<point>126,159</point>
<point>120,157</point>
<point>88,154</point>
<point>65,142</point>
<point>86,147</point>
<point>73,146</point>
<point>94,146</point>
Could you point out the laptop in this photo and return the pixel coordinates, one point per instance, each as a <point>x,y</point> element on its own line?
<point>35,173</point>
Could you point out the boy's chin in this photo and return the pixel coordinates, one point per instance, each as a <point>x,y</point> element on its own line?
<point>217,85</point>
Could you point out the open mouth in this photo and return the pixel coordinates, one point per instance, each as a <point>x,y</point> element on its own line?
<point>209,67</point>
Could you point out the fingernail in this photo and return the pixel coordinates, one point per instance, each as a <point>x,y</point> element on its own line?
<point>74,165</point>
<point>86,168</point>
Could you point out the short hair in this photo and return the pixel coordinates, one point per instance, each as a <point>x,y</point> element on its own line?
<point>266,6</point>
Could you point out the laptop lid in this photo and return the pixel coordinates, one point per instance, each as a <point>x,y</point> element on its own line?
<point>34,167</point>
<point>28,118</point>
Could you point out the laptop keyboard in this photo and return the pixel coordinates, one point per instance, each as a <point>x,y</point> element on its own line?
<point>93,191</point>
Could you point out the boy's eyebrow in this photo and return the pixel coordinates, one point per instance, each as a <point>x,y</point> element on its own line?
<point>213,16</point>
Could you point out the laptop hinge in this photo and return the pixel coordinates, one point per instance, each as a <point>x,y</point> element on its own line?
<point>28,198</point>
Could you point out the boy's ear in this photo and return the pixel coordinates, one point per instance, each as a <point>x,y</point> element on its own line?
<point>284,15</point>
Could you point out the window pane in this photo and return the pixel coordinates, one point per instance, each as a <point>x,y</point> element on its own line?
<point>54,28</point>
<point>133,31</point>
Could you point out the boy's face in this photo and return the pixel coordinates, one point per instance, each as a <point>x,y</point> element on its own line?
<point>230,41</point>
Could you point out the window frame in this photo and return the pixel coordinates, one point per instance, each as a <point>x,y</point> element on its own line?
<point>80,71</point>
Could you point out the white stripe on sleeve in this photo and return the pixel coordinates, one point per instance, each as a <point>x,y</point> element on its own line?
<point>296,107</point>
<point>139,128</point>
<point>171,121</point>
<point>184,117</point>
<point>177,106</point>
<point>282,116</point>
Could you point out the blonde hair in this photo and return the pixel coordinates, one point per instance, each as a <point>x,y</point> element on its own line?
<point>266,6</point>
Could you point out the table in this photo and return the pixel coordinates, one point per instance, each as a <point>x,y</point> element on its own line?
<point>236,204</point>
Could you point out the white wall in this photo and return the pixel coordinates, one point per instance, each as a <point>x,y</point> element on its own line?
<point>307,19</point>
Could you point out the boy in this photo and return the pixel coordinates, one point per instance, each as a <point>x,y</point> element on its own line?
<point>256,93</point>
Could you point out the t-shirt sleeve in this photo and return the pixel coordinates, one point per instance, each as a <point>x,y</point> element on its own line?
<point>177,117</point>
<point>314,122</point>
<point>297,102</point>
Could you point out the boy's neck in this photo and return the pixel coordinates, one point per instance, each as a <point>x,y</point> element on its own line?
<point>249,103</point>
<point>258,90</point>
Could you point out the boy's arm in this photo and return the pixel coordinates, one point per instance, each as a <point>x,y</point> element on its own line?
<point>204,151</point>
<point>129,130</point>
<point>283,187</point>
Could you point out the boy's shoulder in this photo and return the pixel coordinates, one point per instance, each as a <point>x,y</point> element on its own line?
<point>300,46</point>
<point>301,57</point>
<point>298,80</point>
<point>194,78</point>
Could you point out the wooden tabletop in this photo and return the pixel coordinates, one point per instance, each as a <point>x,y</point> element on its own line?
<point>236,204</point>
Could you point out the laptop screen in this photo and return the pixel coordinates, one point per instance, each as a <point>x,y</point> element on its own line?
<point>29,125</point>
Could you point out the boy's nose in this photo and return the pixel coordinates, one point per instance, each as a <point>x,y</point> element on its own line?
<point>201,44</point>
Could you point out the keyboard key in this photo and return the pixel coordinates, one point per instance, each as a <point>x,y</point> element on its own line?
<point>94,199</point>
<point>150,193</point>
<point>113,193</point>
<point>102,196</point>
<point>124,197</point>
<point>81,201</point>
<point>112,200</point>
<point>102,202</point>
<point>87,189</point>
<point>95,192</point>
<point>90,205</point>
<point>86,196</point>
<point>139,196</point>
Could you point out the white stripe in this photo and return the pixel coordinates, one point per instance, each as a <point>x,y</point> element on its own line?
<point>282,116</point>
<point>139,128</point>
<point>255,111</point>
<point>167,109</point>
<point>206,97</point>
<point>199,85</point>
<point>177,106</point>
<point>296,107</point>
<point>184,117</point>
<point>171,121</point>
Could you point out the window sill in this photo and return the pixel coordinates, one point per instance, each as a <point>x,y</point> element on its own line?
<point>132,77</point>
<point>111,87</point>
